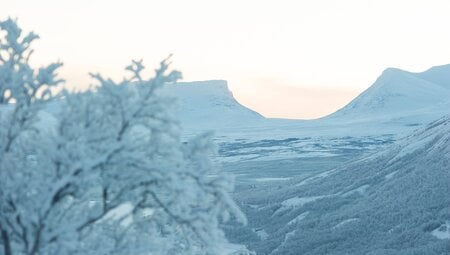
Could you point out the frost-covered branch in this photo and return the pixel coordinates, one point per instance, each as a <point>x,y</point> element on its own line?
<point>106,171</point>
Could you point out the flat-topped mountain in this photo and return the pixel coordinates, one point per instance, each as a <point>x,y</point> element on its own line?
<point>210,104</point>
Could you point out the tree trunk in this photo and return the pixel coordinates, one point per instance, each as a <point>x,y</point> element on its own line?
<point>5,241</point>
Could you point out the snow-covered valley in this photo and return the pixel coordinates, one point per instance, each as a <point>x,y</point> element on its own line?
<point>392,202</point>
<point>372,178</point>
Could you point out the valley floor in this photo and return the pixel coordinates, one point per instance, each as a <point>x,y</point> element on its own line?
<point>293,207</point>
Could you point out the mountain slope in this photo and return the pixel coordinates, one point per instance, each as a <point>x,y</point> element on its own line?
<point>400,95</point>
<point>393,202</point>
<point>210,105</point>
<point>438,74</point>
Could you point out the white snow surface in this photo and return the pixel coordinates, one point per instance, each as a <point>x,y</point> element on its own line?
<point>360,190</point>
<point>298,218</point>
<point>272,179</point>
<point>390,175</point>
<point>442,232</point>
<point>262,234</point>
<point>296,202</point>
<point>342,223</point>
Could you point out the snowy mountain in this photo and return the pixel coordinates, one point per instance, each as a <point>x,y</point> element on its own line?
<point>401,96</point>
<point>398,101</point>
<point>210,105</point>
<point>392,202</point>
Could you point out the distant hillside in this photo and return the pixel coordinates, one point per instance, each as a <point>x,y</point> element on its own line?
<point>399,95</point>
<point>210,105</point>
<point>393,202</point>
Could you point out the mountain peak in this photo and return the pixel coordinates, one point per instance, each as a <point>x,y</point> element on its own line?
<point>390,76</point>
<point>398,93</point>
<point>392,70</point>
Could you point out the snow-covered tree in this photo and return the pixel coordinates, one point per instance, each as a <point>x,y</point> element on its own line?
<point>103,171</point>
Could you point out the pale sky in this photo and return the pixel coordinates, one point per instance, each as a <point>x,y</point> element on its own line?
<point>295,59</point>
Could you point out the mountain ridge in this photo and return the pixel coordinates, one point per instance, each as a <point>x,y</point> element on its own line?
<point>399,94</point>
